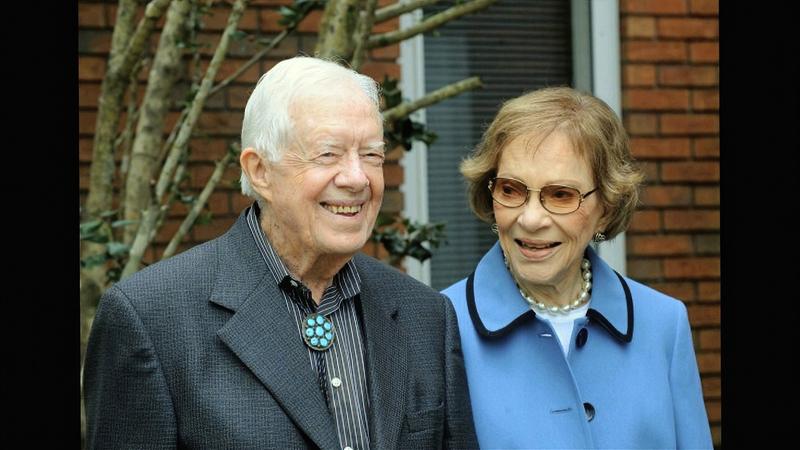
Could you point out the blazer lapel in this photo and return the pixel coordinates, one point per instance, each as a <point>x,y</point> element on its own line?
<point>265,338</point>
<point>386,361</point>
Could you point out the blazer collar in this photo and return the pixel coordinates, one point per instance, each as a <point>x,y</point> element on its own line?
<point>496,306</point>
<point>263,335</point>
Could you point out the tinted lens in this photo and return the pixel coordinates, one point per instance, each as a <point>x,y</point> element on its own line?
<point>509,192</point>
<point>560,199</point>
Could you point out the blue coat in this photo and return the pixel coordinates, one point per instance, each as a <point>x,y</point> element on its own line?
<point>614,389</point>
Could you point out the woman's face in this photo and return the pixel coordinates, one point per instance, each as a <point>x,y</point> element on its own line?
<point>544,250</point>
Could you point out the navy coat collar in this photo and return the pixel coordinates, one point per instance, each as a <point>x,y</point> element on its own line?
<point>497,308</point>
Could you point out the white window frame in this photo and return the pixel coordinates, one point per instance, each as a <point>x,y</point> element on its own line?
<point>601,55</point>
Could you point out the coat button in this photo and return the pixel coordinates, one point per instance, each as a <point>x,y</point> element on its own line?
<point>589,409</point>
<point>580,341</point>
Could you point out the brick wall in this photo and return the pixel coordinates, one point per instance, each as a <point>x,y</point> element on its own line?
<point>220,123</point>
<point>670,78</point>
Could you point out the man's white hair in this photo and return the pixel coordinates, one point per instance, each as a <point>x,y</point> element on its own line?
<point>267,122</point>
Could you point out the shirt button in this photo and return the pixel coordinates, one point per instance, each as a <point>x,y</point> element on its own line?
<point>348,448</point>
<point>589,410</point>
<point>580,341</point>
<point>336,382</point>
<point>293,283</point>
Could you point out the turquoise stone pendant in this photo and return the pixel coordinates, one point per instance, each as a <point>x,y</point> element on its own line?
<point>318,332</point>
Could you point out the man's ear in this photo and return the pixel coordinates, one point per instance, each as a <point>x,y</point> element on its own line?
<point>256,170</point>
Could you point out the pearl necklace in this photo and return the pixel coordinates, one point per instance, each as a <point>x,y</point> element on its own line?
<point>583,297</point>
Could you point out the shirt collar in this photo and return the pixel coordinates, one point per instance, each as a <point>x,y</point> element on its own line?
<point>496,306</point>
<point>347,280</point>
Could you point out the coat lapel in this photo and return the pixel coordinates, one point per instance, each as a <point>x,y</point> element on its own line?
<point>386,358</point>
<point>265,338</point>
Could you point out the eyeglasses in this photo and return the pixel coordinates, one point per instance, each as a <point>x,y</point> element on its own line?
<point>554,198</point>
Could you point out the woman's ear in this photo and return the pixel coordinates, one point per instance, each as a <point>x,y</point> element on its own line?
<point>255,169</point>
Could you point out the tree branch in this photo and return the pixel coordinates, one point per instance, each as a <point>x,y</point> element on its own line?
<point>363,30</point>
<point>399,8</point>
<point>199,100</point>
<point>393,37</point>
<point>451,90</point>
<point>256,58</point>
<point>335,29</point>
<point>198,205</point>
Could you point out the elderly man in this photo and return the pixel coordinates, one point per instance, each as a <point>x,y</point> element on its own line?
<point>278,334</point>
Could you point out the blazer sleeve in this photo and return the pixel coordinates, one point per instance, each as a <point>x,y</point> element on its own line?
<point>127,402</point>
<point>691,422</point>
<point>459,427</point>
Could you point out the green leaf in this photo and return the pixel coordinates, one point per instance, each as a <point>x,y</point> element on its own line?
<point>123,223</point>
<point>117,248</point>
<point>203,218</point>
<point>238,35</point>
<point>107,214</point>
<point>94,260</point>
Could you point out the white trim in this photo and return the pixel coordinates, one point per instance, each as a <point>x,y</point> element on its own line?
<point>414,162</point>
<point>607,85</point>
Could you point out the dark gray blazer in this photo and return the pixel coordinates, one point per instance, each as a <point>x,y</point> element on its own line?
<point>199,351</point>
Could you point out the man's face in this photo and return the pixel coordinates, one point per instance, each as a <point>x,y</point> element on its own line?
<point>325,193</point>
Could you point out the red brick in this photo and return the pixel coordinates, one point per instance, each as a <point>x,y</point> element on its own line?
<point>692,268</point>
<point>85,146</point>
<point>700,315</point>
<point>660,148</point>
<point>712,387</point>
<point>705,100</point>
<point>269,21</point>
<point>661,99</point>
<point>716,435</point>
<point>683,290</point>
<point>230,66</point>
<point>691,220</point>
<point>710,363</point>
<point>392,201</point>
<point>645,269</point>
<point>640,124</point>
<point>91,68</point>
<point>238,96</point>
<point>391,53</point>
<point>706,148</point>
<point>239,202</point>
<point>215,228</point>
<point>714,408</point>
<point>219,203</point>
<point>646,221</point>
<point>387,26</point>
<point>666,196</point>
<point>708,291</point>
<point>377,70</point>
<point>651,171</point>
<point>638,75</point>
<point>83,176</point>
<point>706,244</point>
<point>688,76</point>
<point>224,122</point>
<point>311,23</point>
<point>689,123</point>
<point>271,2</point>
<point>654,6</point>
<point>217,19</point>
<point>709,7</point>
<point>659,245</point>
<point>704,52</point>
<point>91,15</point>
<point>393,175</point>
<point>706,196</point>
<point>168,230</point>
<point>650,51</point>
<point>638,27</point>
<point>690,171</point>
<point>86,122</point>
<point>207,149</point>
<point>88,93</point>
<point>709,340</point>
<point>687,28</point>
<point>93,42</point>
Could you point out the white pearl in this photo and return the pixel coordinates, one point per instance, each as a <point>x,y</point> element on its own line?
<point>586,286</point>
<point>587,275</point>
<point>585,264</point>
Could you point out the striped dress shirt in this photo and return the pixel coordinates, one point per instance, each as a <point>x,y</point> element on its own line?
<point>340,370</point>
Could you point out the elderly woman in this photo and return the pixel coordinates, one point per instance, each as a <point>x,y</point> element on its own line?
<point>552,355</point>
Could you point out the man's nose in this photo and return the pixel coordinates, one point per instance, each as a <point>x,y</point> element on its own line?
<point>352,175</point>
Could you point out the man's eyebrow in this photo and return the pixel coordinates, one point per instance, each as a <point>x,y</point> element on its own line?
<point>376,145</point>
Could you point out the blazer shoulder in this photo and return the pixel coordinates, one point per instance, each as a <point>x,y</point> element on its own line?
<point>392,282</point>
